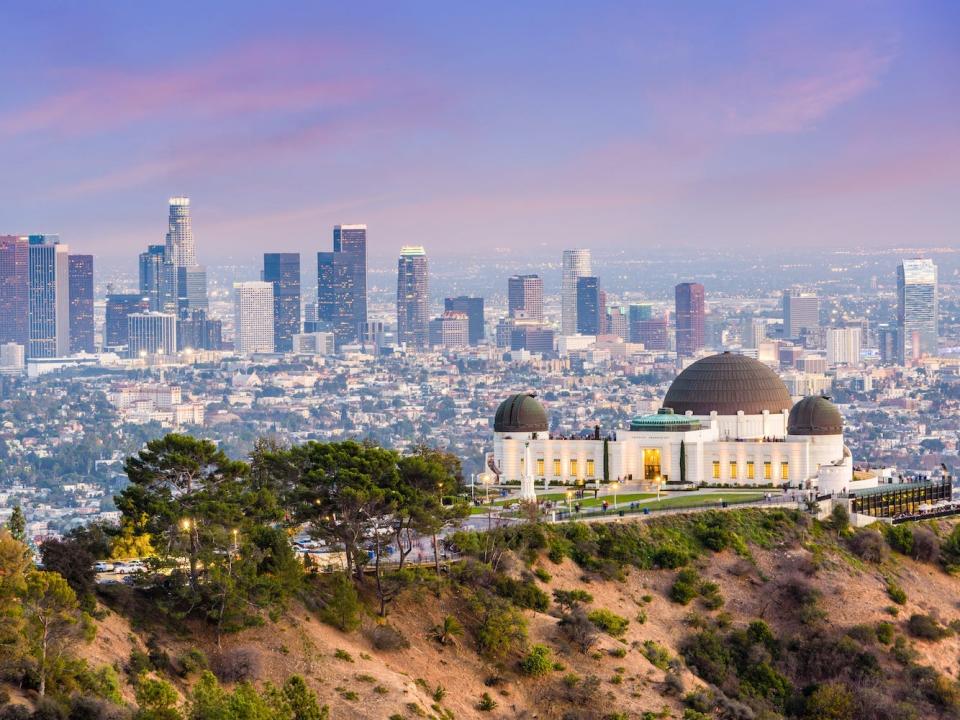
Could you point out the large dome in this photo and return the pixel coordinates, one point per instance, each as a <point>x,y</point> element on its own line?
<point>727,384</point>
<point>815,415</point>
<point>521,413</point>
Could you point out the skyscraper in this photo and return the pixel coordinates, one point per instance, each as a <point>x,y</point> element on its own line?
<point>191,290</point>
<point>801,313</point>
<point>81,304</point>
<point>342,283</point>
<point>472,307</point>
<point>180,250</point>
<point>450,330</point>
<point>918,309</point>
<point>253,317</point>
<point>116,328</point>
<point>690,318</point>
<point>14,290</point>
<point>588,305</point>
<point>151,333</point>
<point>198,332</point>
<point>843,346</point>
<point>151,275</point>
<point>412,283</point>
<point>351,241</point>
<point>525,294</point>
<point>576,263</point>
<point>647,329</point>
<point>49,300</point>
<point>283,270</point>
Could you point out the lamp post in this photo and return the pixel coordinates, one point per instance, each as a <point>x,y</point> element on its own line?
<point>569,497</point>
<point>614,486</point>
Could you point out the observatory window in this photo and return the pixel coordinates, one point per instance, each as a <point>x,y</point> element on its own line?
<point>784,471</point>
<point>557,470</point>
<point>733,470</point>
<point>716,469</point>
<point>750,472</point>
<point>591,469</point>
<point>768,470</point>
<point>540,468</point>
<point>573,468</point>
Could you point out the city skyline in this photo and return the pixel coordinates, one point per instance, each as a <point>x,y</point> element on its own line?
<point>774,128</point>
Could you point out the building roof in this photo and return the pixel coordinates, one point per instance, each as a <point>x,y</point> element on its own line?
<point>665,421</point>
<point>521,413</point>
<point>815,415</point>
<point>727,384</point>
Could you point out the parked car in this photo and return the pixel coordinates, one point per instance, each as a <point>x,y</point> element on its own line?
<point>103,567</point>
<point>126,568</point>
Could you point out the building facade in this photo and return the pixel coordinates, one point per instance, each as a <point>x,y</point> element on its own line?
<point>450,330</point>
<point>14,289</point>
<point>690,318</point>
<point>525,295</point>
<point>151,275</point>
<point>588,305</point>
<point>576,263</point>
<point>116,329</point>
<point>918,309</point>
<point>412,297</point>
<point>81,304</point>
<point>151,333</point>
<point>49,303</point>
<point>283,270</point>
<point>472,307</point>
<point>253,317</point>
<point>801,314</point>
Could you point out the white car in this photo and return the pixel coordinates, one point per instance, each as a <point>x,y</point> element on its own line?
<point>103,567</point>
<point>129,567</point>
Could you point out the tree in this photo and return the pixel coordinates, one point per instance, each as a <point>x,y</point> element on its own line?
<point>14,565</point>
<point>683,461</point>
<point>52,615</point>
<point>18,524</point>
<point>74,563</point>
<point>156,700</point>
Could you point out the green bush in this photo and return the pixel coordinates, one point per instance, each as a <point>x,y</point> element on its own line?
<point>926,627</point>
<point>900,538</point>
<point>486,703</point>
<point>609,622</point>
<point>341,604</point>
<point>896,593</point>
<point>657,654</point>
<point>501,627</point>
<point>524,594</point>
<point>832,701</point>
<point>884,632</point>
<point>686,586</point>
<point>542,574</point>
<point>538,661</point>
<point>194,660</point>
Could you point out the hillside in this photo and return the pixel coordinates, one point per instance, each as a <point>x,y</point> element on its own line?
<point>821,602</point>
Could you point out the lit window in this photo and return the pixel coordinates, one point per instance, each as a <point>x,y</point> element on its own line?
<point>733,470</point>
<point>716,469</point>
<point>557,470</point>
<point>768,470</point>
<point>540,468</point>
<point>573,468</point>
<point>784,471</point>
<point>591,469</point>
<point>749,469</point>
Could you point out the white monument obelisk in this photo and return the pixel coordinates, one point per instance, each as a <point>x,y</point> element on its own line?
<point>527,491</point>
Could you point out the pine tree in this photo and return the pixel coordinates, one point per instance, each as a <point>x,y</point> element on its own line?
<point>18,525</point>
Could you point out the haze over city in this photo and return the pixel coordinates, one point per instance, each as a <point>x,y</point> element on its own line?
<point>524,128</point>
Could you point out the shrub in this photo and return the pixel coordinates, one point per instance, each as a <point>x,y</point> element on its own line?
<point>486,703</point>
<point>685,588</point>
<point>194,660</point>
<point>896,593</point>
<point>537,662</point>
<point>926,545</point>
<point>501,627</point>
<point>542,574</point>
<point>900,538</point>
<point>387,637</point>
<point>832,701</point>
<point>578,629</point>
<point>868,545</point>
<point>926,628</point>
<point>839,519</point>
<point>950,550</point>
<point>618,652</point>
<point>657,654</point>
<point>884,631</point>
<point>341,604</point>
<point>865,634</point>
<point>568,599</point>
<point>673,684</point>
<point>712,599</point>
<point>237,665</point>
<point>524,594</point>
<point>341,654</point>
<point>447,631</point>
<point>609,622</point>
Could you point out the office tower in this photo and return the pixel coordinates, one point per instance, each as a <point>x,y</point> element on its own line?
<point>151,275</point>
<point>450,330</point>
<point>49,299</point>
<point>12,358</point>
<point>198,332</point>
<point>120,306</point>
<point>754,332</point>
<point>525,295</point>
<point>588,305</point>
<point>253,317</point>
<point>351,242</point>
<point>647,329</point>
<point>472,307</point>
<point>576,263</point>
<point>14,290</point>
<point>191,290</point>
<point>531,336</point>
<point>314,343</point>
<point>888,342</point>
<point>151,333</point>
<point>81,303</point>
<point>801,314</point>
<point>918,309</point>
<point>412,285</point>
<point>843,346</point>
<point>602,312</point>
<point>618,322</point>
<point>283,270</point>
<point>180,250</point>
<point>690,318</point>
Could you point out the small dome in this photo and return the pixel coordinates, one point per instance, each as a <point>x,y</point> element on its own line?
<point>727,384</point>
<point>815,415</point>
<point>664,421</point>
<point>521,413</point>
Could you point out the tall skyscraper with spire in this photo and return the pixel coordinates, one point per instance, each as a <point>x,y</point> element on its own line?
<point>412,306</point>
<point>918,309</point>
<point>180,249</point>
<point>576,264</point>
<point>183,282</point>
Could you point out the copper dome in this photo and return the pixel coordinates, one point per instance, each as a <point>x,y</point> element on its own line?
<point>815,415</point>
<point>521,413</point>
<point>727,384</point>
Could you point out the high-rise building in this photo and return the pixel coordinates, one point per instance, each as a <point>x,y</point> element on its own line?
<point>576,263</point>
<point>14,290</point>
<point>531,336</point>
<point>412,300</point>
<point>888,342</point>
<point>151,333</point>
<point>283,270</point>
<point>253,317</point>
<point>525,294</point>
<point>801,314</point>
<point>690,318</point>
<point>49,271</point>
<point>648,329</point>
<point>754,332</point>
<point>191,290</point>
<point>151,275</point>
<point>198,332</point>
<point>81,304</point>
<point>618,322</point>
<point>472,307</point>
<point>588,305</point>
<point>180,249</point>
<point>843,346</point>
<point>918,309</point>
<point>351,242</point>
<point>12,358</point>
<point>450,330</point>
<point>120,306</point>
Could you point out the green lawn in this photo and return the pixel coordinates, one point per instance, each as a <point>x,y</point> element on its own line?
<point>705,499</point>
<point>676,501</point>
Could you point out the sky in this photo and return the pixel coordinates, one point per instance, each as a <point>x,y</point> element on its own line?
<point>483,127</point>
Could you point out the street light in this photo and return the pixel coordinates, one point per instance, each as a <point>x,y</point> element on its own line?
<point>569,497</point>
<point>614,486</point>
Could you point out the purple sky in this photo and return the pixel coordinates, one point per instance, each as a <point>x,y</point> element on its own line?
<point>469,126</point>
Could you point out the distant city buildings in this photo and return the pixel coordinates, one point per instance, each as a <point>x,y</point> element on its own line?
<point>342,283</point>
<point>917,310</point>
<point>412,298</point>
<point>450,330</point>
<point>253,317</point>
<point>690,316</point>
<point>14,289</point>
<point>151,333</point>
<point>648,329</point>
<point>525,295</point>
<point>472,307</point>
<point>49,298</point>
<point>81,304</point>
<point>588,305</point>
<point>843,346</point>
<point>151,275</point>
<point>120,306</point>
<point>283,271</point>
<point>576,264</point>
<point>801,315</point>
